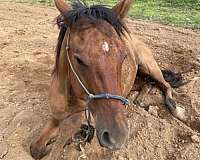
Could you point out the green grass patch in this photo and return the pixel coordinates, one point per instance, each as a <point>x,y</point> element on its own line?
<point>172,12</point>
<point>184,13</point>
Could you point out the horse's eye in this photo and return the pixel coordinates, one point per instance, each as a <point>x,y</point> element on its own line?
<point>80,62</point>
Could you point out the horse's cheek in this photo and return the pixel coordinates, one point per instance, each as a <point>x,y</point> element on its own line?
<point>129,70</point>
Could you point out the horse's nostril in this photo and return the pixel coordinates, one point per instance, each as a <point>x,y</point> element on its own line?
<point>113,140</point>
<point>107,139</point>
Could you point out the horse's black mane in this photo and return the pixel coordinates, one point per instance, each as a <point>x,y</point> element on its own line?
<point>94,12</point>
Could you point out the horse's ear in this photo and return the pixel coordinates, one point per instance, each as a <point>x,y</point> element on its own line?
<point>62,6</point>
<point>121,9</point>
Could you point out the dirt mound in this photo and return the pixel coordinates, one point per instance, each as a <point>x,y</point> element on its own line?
<point>27,43</point>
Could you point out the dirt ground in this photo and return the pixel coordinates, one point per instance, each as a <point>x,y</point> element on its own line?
<point>27,44</point>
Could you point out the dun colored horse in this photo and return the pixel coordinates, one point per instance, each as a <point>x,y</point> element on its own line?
<point>96,65</point>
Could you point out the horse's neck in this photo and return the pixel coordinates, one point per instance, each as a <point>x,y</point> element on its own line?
<point>129,67</point>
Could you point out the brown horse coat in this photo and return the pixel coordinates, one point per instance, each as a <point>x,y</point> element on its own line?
<point>67,96</point>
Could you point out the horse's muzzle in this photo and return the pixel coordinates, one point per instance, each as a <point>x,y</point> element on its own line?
<point>111,141</point>
<point>112,132</point>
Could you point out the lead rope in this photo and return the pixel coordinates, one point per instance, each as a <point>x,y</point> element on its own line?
<point>72,68</point>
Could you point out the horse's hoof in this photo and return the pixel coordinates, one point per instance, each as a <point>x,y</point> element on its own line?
<point>37,151</point>
<point>179,113</point>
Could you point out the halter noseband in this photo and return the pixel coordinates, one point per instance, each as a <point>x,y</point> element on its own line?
<point>91,96</point>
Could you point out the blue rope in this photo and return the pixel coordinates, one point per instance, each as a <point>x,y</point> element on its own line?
<point>125,101</point>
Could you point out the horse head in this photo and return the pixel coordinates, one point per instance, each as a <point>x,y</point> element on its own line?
<point>96,52</point>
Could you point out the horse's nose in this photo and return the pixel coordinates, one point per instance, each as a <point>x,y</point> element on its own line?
<point>113,139</point>
<point>108,141</point>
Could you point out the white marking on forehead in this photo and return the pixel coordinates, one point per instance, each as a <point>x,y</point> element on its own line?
<point>105,47</point>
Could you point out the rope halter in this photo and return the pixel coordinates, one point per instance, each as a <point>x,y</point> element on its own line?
<point>89,129</point>
<point>91,96</point>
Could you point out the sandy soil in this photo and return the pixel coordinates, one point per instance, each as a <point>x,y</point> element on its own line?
<point>27,43</point>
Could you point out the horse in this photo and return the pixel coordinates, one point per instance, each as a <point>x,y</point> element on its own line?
<point>97,60</point>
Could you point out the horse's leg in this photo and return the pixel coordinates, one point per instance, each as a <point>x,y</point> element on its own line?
<point>58,105</point>
<point>68,128</point>
<point>148,65</point>
<point>38,147</point>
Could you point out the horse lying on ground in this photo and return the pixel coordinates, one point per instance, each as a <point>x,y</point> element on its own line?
<point>96,65</point>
